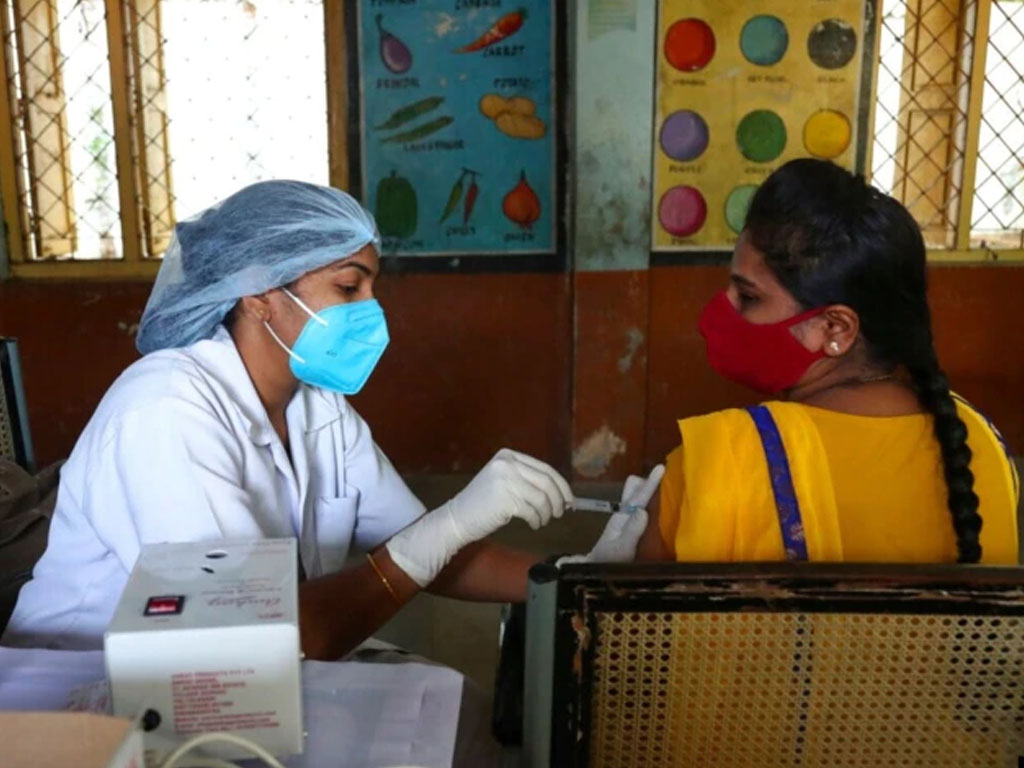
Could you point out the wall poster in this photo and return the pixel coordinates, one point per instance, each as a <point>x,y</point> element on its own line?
<point>458,125</point>
<point>740,90</point>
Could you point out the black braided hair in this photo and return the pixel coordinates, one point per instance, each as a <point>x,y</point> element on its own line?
<point>830,238</point>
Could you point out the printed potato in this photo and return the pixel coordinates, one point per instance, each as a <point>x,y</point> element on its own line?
<point>520,126</point>
<point>492,105</point>
<point>520,105</point>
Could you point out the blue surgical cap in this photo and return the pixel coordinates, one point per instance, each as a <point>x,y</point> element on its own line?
<point>262,237</point>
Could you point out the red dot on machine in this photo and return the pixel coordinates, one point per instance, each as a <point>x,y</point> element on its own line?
<point>165,605</point>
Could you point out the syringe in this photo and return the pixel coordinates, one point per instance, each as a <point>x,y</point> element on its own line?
<point>600,505</point>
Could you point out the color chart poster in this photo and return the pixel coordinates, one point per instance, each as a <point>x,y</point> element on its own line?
<point>458,125</point>
<point>741,89</point>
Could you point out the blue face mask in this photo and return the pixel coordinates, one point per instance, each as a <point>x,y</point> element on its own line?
<point>339,346</point>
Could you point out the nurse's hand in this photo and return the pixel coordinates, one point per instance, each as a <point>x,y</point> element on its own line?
<point>511,485</point>
<point>619,540</point>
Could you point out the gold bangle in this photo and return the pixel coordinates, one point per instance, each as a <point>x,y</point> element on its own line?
<point>384,579</point>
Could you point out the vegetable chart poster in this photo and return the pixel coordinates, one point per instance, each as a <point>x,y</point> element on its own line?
<point>458,125</point>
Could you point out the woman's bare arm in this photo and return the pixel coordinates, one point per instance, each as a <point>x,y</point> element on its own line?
<point>652,546</point>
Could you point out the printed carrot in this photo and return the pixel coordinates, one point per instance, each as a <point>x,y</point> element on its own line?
<point>471,195</point>
<point>453,197</point>
<point>420,131</point>
<point>410,112</point>
<point>507,25</point>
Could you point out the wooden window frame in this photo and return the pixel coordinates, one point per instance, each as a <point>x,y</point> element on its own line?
<point>960,250</point>
<point>139,239</point>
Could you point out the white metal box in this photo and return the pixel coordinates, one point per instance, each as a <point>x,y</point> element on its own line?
<point>206,634</point>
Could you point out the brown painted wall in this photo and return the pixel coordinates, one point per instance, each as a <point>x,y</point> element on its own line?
<point>483,361</point>
<point>610,371</point>
<point>74,339</point>
<point>477,362</point>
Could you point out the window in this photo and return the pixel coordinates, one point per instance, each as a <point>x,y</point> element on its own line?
<point>997,217</point>
<point>121,117</point>
<point>949,122</point>
<point>124,116</point>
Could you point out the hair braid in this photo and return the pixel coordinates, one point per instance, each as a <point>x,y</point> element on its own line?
<point>951,434</point>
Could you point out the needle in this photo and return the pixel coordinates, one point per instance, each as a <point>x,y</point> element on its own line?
<point>600,505</point>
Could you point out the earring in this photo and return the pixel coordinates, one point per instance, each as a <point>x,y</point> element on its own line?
<point>834,346</point>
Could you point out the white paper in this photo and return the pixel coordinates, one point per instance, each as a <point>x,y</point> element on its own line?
<point>379,714</point>
<point>41,680</point>
<point>357,714</point>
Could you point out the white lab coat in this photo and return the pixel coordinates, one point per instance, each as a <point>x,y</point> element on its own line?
<point>181,449</point>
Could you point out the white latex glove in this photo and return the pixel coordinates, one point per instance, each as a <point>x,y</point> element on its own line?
<point>511,485</point>
<point>620,537</point>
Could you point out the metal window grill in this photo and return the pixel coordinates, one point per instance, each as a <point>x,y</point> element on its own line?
<point>949,119</point>
<point>246,96</point>
<point>150,140</point>
<point>196,98</point>
<point>997,219</point>
<point>59,85</point>
<point>921,109</point>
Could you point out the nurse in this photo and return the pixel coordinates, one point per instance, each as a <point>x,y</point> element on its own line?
<point>235,425</point>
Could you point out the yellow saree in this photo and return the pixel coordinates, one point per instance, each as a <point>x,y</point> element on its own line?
<point>865,488</point>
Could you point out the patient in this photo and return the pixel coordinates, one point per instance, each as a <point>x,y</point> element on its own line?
<point>864,454</point>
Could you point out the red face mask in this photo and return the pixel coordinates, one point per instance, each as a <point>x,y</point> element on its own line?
<point>767,358</point>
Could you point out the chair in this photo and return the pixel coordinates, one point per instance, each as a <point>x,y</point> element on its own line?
<point>26,501</point>
<point>507,705</point>
<point>778,664</point>
<point>15,437</point>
